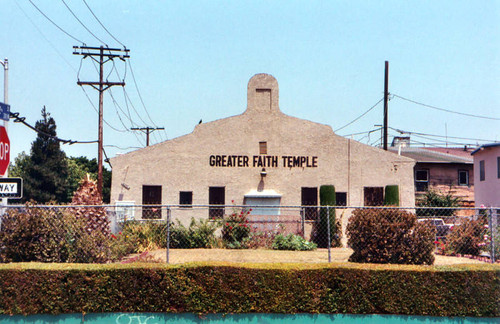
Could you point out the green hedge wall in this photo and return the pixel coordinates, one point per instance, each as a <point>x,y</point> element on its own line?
<point>223,288</point>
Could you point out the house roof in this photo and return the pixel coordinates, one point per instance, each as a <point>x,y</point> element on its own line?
<point>482,147</point>
<point>435,154</point>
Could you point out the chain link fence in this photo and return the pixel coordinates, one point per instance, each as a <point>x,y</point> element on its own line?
<point>176,234</point>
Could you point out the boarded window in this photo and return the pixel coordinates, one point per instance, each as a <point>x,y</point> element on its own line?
<point>263,98</point>
<point>151,195</point>
<point>262,147</point>
<point>216,196</point>
<point>186,199</point>
<point>374,196</point>
<point>310,198</point>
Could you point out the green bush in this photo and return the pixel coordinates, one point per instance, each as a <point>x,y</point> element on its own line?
<point>389,236</point>
<point>435,199</point>
<point>320,236</point>
<point>235,229</point>
<point>391,197</point>
<point>201,289</point>
<point>292,242</point>
<point>467,238</point>
<point>199,234</point>
<point>146,235</point>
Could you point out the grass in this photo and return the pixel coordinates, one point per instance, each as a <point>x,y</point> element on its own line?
<point>178,256</point>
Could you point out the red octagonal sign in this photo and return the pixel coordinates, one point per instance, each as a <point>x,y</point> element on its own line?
<point>4,151</point>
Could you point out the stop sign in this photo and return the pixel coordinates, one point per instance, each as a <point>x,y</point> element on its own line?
<point>4,151</point>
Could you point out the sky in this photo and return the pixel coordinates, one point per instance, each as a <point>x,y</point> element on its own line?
<point>191,60</point>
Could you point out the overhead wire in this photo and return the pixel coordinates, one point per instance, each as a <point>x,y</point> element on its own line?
<point>81,23</point>
<point>445,110</point>
<point>442,136</point>
<point>357,118</point>
<point>93,14</point>
<point>43,14</point>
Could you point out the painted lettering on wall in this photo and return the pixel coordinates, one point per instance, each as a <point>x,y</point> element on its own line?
<point>263,161</point>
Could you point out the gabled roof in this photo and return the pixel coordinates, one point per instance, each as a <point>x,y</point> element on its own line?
<point>482,147</point>
<point>434,155</point>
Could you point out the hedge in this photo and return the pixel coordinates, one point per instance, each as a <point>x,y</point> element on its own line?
<point>35,288</point>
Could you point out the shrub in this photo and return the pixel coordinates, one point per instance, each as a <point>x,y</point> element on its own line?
<point>435,199</point>
<point>467,238</point>
<point>292,242</point>
<point>259,239</point>
<point>391,197</point>
<point>320,237</point>
<point>146,236</point>
<point>199,234</point>
<point>235,229</point>
<point>389,236</point>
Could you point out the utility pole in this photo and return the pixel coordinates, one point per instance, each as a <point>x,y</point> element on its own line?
<point>386,99</point>
<point>98,55</point>
<point>147,131</point>
<point>5,64</point>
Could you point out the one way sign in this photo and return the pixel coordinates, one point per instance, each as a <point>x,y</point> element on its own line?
<point>11,188</point>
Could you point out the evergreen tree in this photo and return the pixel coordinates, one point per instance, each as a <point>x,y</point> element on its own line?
<point>45,175</point>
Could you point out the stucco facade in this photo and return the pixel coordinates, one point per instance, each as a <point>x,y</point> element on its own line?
<point>487,175</point>
<point>232,153</point>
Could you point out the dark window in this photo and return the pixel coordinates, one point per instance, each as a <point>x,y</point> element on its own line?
<point>216,196</point>
<point>341,198</point>
<point>421,180</point>
<point>374,196</point>
<point>463,177</point>
<point>151,195</point>
<point>310,198</point>
<point>482,174</point>
<point>498,167</point>
<point>262,147</point>
<point>186,199</point>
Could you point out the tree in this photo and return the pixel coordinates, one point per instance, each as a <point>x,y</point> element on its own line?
<point>79,167</point>
<point>45,170</point>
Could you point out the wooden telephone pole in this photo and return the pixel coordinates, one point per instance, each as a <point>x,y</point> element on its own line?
<point>147,131</point>
<point>386,99</point>
<point>98,55</point>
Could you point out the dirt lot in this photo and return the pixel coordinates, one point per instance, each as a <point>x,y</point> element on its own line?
<point>272,256</point>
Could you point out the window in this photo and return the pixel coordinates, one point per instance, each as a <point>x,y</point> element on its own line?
<point>262,147</point>
<point>151,195</point>
<point>463,177</point>
<point>310,198</point>
<point>374,196</point>
<point>186,199</point>
<point>482,174</point>
<point>341,198</point>
<point>421,180</point>
<point>498,167</point>
<point>216,196</point>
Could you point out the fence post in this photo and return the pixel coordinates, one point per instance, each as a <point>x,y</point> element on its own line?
<point>168,234</point>
<point>329,239</point>
<point>492,225</point>
<point>303,222</point>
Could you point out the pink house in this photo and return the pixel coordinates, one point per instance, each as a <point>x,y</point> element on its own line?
<point>487,175</point>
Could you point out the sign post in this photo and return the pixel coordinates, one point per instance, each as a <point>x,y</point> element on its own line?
<point>4,151</point>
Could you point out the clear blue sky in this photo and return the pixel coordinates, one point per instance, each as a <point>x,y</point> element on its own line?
<point>192,60</point>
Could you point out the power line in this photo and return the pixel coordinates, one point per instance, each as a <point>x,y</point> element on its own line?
<point>34,5</point>
<point>22,120</point>
<point>102,24</point>
<point>446,110</point>
<point>375,105</point>
<point>81,23</point>
<point>441,136</point>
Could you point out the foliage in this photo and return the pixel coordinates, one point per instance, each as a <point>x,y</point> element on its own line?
<point>327,216</point>
<point>259,239</point>
<point>50,235</point>
<point>292,242</point>
<point>235,228</point>
<point>45,170</point>
<point>389,236</point>
<point>146,236</point>
<point>198,235</point>
<point>391,196</point>
<point>467,238</point>
<point>201,289</point>
<point>79,167</point>
<point>435,199</point>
